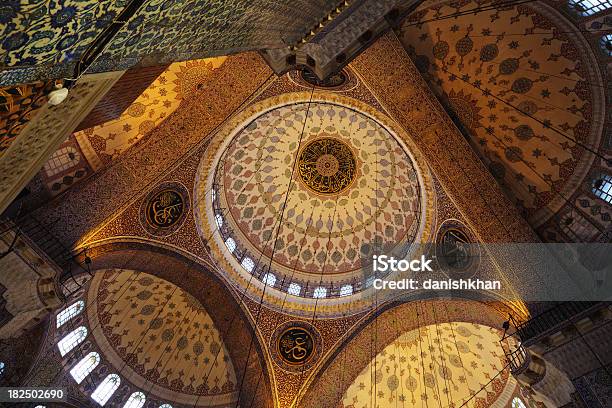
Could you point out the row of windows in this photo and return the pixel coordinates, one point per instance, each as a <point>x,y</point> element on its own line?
<point>105,390</point>
<point>269,279</point>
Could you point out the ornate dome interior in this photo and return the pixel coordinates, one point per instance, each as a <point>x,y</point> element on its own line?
<point>193,193</point>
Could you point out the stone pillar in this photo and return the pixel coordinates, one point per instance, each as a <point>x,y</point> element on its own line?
<point>546,383</point>
<point>28,280</point>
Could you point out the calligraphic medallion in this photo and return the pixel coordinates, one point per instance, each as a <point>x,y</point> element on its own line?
<point>164,209</point>
<point>327,166</point>
<point>297,345</point>
<point>457,250</point>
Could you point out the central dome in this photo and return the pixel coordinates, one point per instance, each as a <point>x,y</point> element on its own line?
<point>299,194</point>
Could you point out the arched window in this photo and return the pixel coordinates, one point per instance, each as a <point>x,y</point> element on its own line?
<point>602,187</point>
<point>319,292</point>
<point>606,44</point>
<point>68,313</point>
<point>248,264</point>
<point>71,340</point>
<point>1,368</point>
<point>136,400</point>
<point>294,289</point>
<point>219,220</point>
<point>269,279</point>
<point>165,406</point>
<point>85,366</point>
<point>589,7</point>
<point>106,389</point>
<point>230,244</point>
<point>346,290</point>
<point>518,403</point>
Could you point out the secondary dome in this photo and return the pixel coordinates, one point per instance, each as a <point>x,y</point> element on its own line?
<point>302,191</point>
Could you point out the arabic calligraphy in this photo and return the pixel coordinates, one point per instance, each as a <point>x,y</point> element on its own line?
<point>455,249</point>
<point>327,166</point>
<point>165,209</point>
<point>295,345</point>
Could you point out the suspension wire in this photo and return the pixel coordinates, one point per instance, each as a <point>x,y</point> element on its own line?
<point>474,11</point>
<point>446,370</point>
<point>431,349</point>
<point>544,124</point>
<point>419,328</point>
<point>274,247</point>
<point>554,189</point>
<point>465,373</point>
<point>486,385</point>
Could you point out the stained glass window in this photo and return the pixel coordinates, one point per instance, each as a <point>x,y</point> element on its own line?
<point>518,403</point>
<point>346,290</point>
<point>602,187</point>
<point>606,43</point>
<point>589,7</point>
<point>68,313</point>
<point>230,244</point>
<point>248,264</point>
<point>71,340</point>
<point>294,289</point>
<point>136,400</point>
<point>319,292</point>
<point>269,279</point>
<point>106,389</point>
<point>85,366</point>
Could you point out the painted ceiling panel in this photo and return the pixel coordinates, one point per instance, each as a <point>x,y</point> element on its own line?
<point>163,335</point>
<point>524,86</point>
<point>444,365</point>
<point>45,39</point>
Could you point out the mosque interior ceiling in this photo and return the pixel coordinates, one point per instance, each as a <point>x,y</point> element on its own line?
<point>224,223</point>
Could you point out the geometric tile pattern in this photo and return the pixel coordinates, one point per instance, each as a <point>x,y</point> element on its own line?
<point>440,365</point>
<point>522,85</point>
<point>179,81</point>
<point>163,333</point>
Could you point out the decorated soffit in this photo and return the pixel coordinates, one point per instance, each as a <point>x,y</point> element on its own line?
<point>489,67</point>
<point>45,39</point>
<point>18,105</point>
<point>89,150</point>
<point>161,338</point>
<point>442,365</point>
<point>178,82</point>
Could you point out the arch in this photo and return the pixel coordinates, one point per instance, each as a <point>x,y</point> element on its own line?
<point>106,389</point>
<point>85,366</point>
<point>201,282</point>
<point>392,319</point>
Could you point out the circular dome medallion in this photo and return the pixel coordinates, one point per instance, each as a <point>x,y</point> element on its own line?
<point>327,166</point>
<point>296,346</point>
<point>164,209</point>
